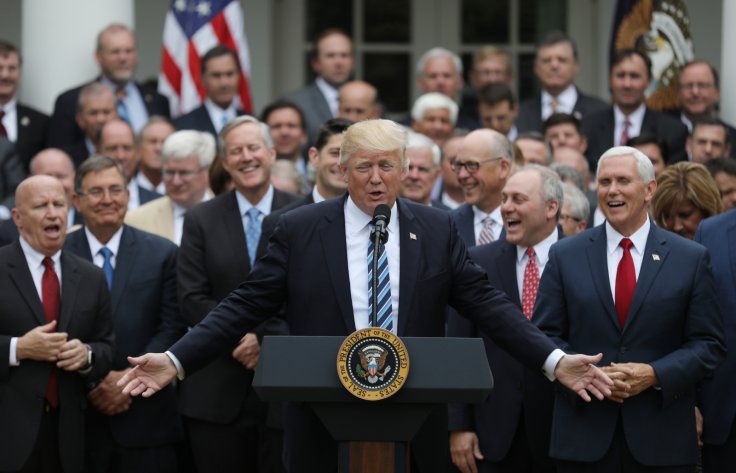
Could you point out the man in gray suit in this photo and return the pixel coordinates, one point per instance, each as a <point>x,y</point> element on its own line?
<point>332,63</point>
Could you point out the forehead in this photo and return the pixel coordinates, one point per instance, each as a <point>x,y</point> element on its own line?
<point>183,163</point>
<point>116,39</point>
<point>375,156</point>
<point>439,64</point>
<point>710,131</point>
<point>283,114</point>
<point>333,43</point>
<point>157,129</point>
<point>697,71</point>
<point>493,62</point>
<point>562,48</point>
<point>101,99</point>
<point>650,149</point>
<point>10,58</point>
<point>52,163</point>
<point>474,146</point>
<point>109,175</point>
<point>116,132</point>
<point>631,63</point>
<point>501,107</point>
<point>624,165</point>
<point>419,154</point>
<point>222,62</point>
<point>436,113</point>
<point>562,128</point>
<point>43,191</point>
<point>523,182</point>
<point>246,132</point>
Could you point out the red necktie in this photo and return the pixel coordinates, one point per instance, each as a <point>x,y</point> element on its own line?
<point>51,298</point>
<point>3,131</point>
<point>625,282</point>
<point>531,284</point>
<point>624,133</point>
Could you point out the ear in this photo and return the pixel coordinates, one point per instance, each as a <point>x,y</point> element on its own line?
<point>313,156</point>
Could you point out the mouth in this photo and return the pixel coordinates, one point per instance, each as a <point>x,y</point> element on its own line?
<point>52,231</point>
<point>247,169</point>
<point>614,204</point>
<point>512,223</point>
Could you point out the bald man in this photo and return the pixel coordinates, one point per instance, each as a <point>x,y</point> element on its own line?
<point>357,101</point>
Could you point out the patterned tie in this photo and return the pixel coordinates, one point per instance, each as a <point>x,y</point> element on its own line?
<point>553,104</point>
<point>107,264</point>
<point>3,131</point>
<point>384,288</point>
<point>253,233</point>
<point>531,284</point>
<point>625,282</point>
<point>51,300</point>
<point>624,133</point>
<point>486,233</point>
<point>120,101</point>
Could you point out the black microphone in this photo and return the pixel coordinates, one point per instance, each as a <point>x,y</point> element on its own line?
<point>381,217</point>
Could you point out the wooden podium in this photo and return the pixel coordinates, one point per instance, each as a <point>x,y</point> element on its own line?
<point>442,370</point>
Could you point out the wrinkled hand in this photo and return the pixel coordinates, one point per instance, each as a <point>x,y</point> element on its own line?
<point>620,389</point>
<point>579,373</point>
<point>699,426</point>
<point>73,356</point>
<point>107,397</point>
<point>151,373</point>
<point>465,450</point>
<point>638,376</point>
<point>43,343</point>
<point>248,351</point>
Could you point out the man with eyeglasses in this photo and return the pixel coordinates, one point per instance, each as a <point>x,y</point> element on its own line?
<point>699,93</point>
<point>482,165</point>
<point>186,156</point>
<point>140,271</point>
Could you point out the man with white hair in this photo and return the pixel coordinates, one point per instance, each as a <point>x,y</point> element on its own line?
<point>434,115</point>
<point>646,299</point>
<point>186,156</point>
<point>575,210</point>
<point>424,169</point>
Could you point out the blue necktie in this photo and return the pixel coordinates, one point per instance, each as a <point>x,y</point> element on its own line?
<point>107,264</point>
<point>252,232</point>
<point>120,105</point>
<point>384,288</point>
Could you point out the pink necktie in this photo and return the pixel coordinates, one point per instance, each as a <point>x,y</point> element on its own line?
<point>531,284</point>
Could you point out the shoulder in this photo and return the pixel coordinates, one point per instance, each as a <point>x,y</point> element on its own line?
<point>719,223</point>
<point>31,112</point>
<point>71,95</point>
<point>69,260</point>
<point>282,199</point>
<point>461,212</point>
<point>214,205</point>
<point>303,93</point>
<point>155,243</point>
<point>590,102</point>
<point>150,208</point>
<point>195,116</point>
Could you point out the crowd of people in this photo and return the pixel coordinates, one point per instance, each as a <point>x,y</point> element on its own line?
<point>183,241</point>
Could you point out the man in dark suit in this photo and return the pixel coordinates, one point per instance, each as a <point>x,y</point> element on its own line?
<point>95,107</point>
<point>23,125</point>
<point>556,65</point>
<point>329,241</point>
<point>482,165</point>
<point>55,336</point>
<point>717,394</point>
<point>117,57</point>
<point>332,63</point>
<point>645,298</point>
<point>118,142</point>
<point>125,436</point>
<point>220,78</point>
<point>225,420</point>
<point>629,116</point>
<point>509,432</point>
<point>12,172</point>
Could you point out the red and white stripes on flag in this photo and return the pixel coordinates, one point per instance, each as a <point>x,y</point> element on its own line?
<point>192,28</point>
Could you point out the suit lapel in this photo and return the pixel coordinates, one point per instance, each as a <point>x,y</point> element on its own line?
<point>165,219</point>
<point>22,279</point>
<point>408,268</point>
<point>320,102</point>
<point>655,254</point>
<point>236,234</point>
<point>69,289</point>
<point>125,261</point>
<point>506,270</point>
<point>596,253</point>
<point>334,250</point>
<point>23,126</point>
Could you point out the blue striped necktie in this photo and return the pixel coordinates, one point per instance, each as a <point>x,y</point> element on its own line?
<point>107,264</point>
<point>253,233</point>
<point>385,320</point>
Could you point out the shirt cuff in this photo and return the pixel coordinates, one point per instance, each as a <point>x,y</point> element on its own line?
<point>179,368</point>
<point>13,360</point>
<point>551,363</point>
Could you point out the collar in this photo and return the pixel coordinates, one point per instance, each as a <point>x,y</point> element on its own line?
<point>479,215</point>
<point>686,121</point>
<point>636,118</point>
<point>35,258</point>
<point>114,87</point>
<point>215,110</point>
<point>327,89</point>
<point>95,245</point>
<point>356,220</point>
<point>264,205</point>
<point>10,106</point>
<point>541,249</point>
<point>317,196</point>
<point>565,100</point>
<point>638,238</point>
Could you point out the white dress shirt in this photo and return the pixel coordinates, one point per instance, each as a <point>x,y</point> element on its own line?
<point>34,259</point>
<point>565,102</point>
<point>95,246</point>
<point>614,251</point>
<point>541,256</point>
<point>331,94</point>
<point>10,119</point>
<point>244,205</point>
<point>134,197</point>
<point>317,196</point>
<point>219,116</point>
<point>636,118</point>
<point>496,222</point>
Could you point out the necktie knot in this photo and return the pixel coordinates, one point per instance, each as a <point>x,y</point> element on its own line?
<point>486,231</point>
<point>626,244</point>
<point>48,263</point>
<point>530,252</point>
<point>120,93</point>
<point>253,214</point>
<point>105,252</point>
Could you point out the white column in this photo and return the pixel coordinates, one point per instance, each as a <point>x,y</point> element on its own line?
<point>728,62</point>
<point>59,41</point>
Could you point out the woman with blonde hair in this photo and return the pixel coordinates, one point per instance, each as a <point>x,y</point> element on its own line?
<point>686,194</point>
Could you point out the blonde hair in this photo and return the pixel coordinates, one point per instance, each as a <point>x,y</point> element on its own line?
<point>682,182</point>
<point>378,136</point>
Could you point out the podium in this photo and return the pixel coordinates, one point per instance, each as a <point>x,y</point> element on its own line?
<point>442,370</point>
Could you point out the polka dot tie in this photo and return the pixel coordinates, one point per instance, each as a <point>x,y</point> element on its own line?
<point>531,284</point>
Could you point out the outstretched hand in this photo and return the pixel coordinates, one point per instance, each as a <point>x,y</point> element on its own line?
<point>579,373</point>
<point>151,373</point>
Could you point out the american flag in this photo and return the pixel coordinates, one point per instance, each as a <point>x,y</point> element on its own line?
<point>192,28</point>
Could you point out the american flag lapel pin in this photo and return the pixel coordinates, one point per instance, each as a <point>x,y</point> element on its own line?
<point>655,257</point>
<point>412,236</point>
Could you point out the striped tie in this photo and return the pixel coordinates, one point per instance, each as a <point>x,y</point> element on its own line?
<point>384,288</point>
<point>486,233</point>
<point>253,233</point>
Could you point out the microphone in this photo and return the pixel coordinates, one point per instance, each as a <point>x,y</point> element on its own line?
<point>381,217</point>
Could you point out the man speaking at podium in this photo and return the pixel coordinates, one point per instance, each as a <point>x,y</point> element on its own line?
<point>428,268</point>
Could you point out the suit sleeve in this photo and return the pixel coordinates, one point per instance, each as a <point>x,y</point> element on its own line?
<point>171,325</point>
<point>101,338</point>
<point>703,345</point>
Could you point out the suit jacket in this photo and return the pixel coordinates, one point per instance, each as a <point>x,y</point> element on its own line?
<point>63,128</point>
<point>145,196</point>
<point>145,319</point>
<point>12,171</point>
<point>314,107</point>
<point>673,324</point>
<point>717,395</point>
<point>435,271</point>
<point>213,261</point>
<point>85,314</point>
<point>516,389</point>
<point>156,216</point>
<point>32,130</point>
<point>271,220</point>
<point>197,119</point>
<point>77,151</point>
<point>530,111</point>
<point>463,217</point>
<point>599,128</point>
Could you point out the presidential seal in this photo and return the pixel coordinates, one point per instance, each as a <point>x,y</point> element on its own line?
<point>372,364</point>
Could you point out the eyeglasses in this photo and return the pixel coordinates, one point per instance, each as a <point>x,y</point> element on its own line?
<point>566,217</point>
<point>470,166</point>
<point>97,193</point>
<point>698,85</point>
<point>184,174</point>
